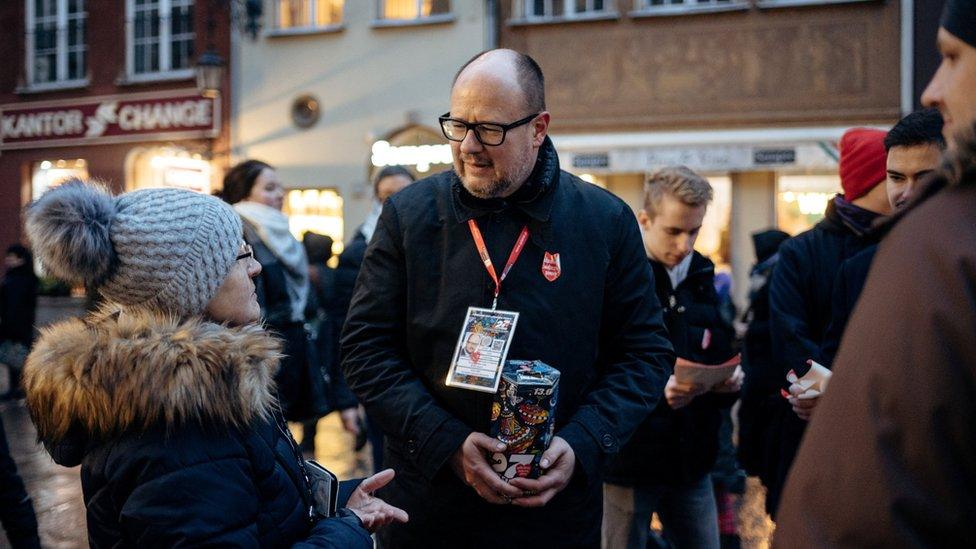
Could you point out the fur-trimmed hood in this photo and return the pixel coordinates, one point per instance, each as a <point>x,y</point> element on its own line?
<point>113,372</point>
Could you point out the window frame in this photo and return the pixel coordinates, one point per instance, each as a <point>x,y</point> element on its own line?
<point>382,21</point>
<point>278,30</point>
<point>642,9</point>
<point>521,15</point>
<point>61,80</point>
<point>165,45</point>
<point>772,4</point>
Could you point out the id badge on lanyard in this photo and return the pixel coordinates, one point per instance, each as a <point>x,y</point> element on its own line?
<point>486,334</point>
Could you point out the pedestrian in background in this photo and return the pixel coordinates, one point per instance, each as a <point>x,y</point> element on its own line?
<point>18,307</point>
<point>173,417</point>
<point>665,467</point>
<point>387,182</point>
<point>325,330</point>
<point>802,284</point>
<point>890,456</point>
<point>760,400</point>
<point>16,511</point>
<point>256,192</point>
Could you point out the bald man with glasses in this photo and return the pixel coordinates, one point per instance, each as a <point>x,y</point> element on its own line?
<point>510,234</point>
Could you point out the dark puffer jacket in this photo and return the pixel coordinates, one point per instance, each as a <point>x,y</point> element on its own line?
<point>680,446</point>
<point>178,435</point>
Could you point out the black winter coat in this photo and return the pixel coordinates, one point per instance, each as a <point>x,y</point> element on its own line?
<point>18,304</point>
<point>800,294</point>
<point>680,446</point>
<point>847,289</point>
<point>177,433</point>
<point>599,323</point>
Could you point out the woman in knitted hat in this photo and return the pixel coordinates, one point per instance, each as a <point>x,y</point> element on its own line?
<point>165,396</point>
<point>256,193</point>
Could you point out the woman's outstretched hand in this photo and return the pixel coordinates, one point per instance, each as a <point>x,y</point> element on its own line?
<point>373,511</point>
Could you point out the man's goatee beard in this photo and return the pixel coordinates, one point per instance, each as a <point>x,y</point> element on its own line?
<point>496,189</point>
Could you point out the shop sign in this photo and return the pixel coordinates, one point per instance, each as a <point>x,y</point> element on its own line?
<point>591,160</point>
<point>711,158</point>
<point>765,157</point>
<point>109,119</point>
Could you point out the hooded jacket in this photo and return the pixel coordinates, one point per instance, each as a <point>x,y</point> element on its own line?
<point>890,454</point>
<point>598,322</point>
<point>178,434</point>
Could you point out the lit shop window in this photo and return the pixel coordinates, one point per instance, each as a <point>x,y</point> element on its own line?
<point>159,39</point>
<point>318,211</point>
<point>308,14</point>
<point>48,174</point>
<point>802,199</point>
<point>406,10</point>
<point>663,7</point>
<point>548,9</point>
<point>594,179</point>
<point>168,167</point>
<point>55,42</point>
<point>713,238</point>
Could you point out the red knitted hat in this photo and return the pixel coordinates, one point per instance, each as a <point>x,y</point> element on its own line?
<point>863,161</point>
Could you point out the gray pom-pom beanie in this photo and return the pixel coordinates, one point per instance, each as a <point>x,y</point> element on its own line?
<point>165,250</point>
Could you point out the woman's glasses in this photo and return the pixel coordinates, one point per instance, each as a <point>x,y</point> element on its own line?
<point>248,252</point>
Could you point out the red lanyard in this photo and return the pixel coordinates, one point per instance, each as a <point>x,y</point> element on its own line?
<point>479,242</point>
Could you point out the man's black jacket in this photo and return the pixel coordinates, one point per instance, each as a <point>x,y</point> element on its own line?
<point>848,286</point>
<point>599,323</point>
<point>800,294</point>
<point>679,446</point>
<point>802,286</point>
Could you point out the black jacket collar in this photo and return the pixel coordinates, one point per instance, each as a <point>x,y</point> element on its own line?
<point>700,265</point>
<point>534,197</point>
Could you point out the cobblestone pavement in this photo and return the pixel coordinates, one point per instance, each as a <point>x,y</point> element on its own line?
<point>55,490</point>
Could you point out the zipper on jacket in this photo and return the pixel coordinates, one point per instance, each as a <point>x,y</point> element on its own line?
<point>308,496</point>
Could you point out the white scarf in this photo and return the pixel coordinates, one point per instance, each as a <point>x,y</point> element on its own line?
<point>272,227</point>
<point>369,225</point>
<point>679,272</point>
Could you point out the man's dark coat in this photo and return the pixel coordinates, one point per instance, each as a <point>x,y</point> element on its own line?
<point>599,323</point>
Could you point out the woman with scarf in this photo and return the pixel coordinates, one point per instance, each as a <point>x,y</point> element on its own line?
<point>256,193</point>
<point>165,396</point>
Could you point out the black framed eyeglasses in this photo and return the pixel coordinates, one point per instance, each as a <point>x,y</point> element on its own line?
<point>490,134</point>
<point>248,252</point>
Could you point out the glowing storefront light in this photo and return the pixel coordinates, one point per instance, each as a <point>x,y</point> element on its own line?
<point>318,211</point>
<point>48,174</point>
<point>420,156</point>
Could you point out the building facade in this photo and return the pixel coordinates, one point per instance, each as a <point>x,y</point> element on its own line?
<point>106,89</point>
<point>333,90</point>
<point>754,94</point>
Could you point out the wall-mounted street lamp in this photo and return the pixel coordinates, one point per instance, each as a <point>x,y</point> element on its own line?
<point>210,73</point>
<point>210,66</point>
